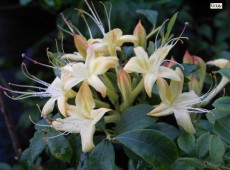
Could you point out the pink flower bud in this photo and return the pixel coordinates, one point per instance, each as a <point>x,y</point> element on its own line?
<point>140,33</point>
<point>124,84</point>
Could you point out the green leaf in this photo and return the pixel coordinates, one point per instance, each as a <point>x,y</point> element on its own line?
<point>216,148</point>
<point>186,143</point>
<point>223,104</point>
<point>154,147</point>
<point>59,146</point>
<point>202,145</point>
<point>192,162</point>
<point>170,25</point>
<point>150,15</point>
<point>222,128</point>
<point>167,129</point>
<point>225,72</point>
<point>135,118</point>
<point>102,157</point>
<point>189,68</point>
<point>217,114</point>
<point>37,145</point>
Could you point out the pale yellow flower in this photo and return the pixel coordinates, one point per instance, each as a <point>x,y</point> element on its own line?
<point>174,101</point>
<point>112,42</point>
<point>150,67</point>
<point>82,117</point>
<point>90,70</point>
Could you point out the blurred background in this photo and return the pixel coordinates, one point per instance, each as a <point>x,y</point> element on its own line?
<point>30,26</point>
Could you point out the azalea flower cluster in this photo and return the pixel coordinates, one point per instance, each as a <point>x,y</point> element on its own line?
<point>83,76</point>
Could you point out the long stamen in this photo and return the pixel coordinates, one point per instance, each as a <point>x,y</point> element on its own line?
<point>38,124</point>
<point>67,23</point>
<point>28,75</point>
<point>86,23</point>
<point>35,62</point>
<point>64,30</point>
<point>174,62</point>
<point>27,86</point>
<point>159,32</point>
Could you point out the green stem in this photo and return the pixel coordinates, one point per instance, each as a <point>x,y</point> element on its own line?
<point>101,104</point>
<point>114,118</point>
<point>135,92</point>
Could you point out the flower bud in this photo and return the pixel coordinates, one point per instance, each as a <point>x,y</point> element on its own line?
<point>140,33</point>
<point>221,63</point>
<point>124,84</point>
<point>196,83</point>
<point>171,63</point>
<point>81,44</point>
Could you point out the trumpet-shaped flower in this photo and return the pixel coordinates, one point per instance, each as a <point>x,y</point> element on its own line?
<point>82,117</point>
<point>89,71</point>
<point>112,41</point>
<point>150,67</point>
<point>174,101</point>
<point>55,91</point>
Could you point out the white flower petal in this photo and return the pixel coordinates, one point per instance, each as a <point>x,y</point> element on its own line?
<point>161,110</point>
<point>48,107</point>
<point>84,99</point>
<point>71,82</point>
<point>61,102</point>
<point>168,73</point>
<point>96,83</point>
<point>149,80</point>
<point>183,119</point>
<point>87,133</point>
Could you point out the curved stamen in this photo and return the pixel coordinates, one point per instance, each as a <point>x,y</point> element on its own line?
<point>36,62</point>
<point>27,86</point>
<point>32,77</point>
<point>38,124</point>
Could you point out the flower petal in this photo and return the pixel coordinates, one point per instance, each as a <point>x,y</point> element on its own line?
<point>187,98</point>
<point>127,39</point>
<point>96,83</point>
<point>102,64</point>
<point>159,55</point>
<point>48,107</point>
<point>84,99</point>
<point>98,114</point>
<point>61,102</point>
<point>74,57</point>
<point>168,73</point>
<point>177,86</point>
<point>149,80</point>
<point>183,119</point>
<point>68,124</point>
<point>164,91</point>
<point>72,81</point>
<point>161,110</point>
<point>87,138</point>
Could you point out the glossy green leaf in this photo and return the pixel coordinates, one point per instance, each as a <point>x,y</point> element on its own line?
<point>154,147</point>
<point>135,118</point>
<point>216,148</point>
<point>225,72</point>
<point>59,147</point>
<point>37,145</point>
<point>216,114</point>
<point>223,104</point>
<point>192,162</point>
<point>167,129</point>
<point>186,143</point>
<point>170,25</point>
<point>150,15</point>
<point>202,145</point>
<point>102,157</point>
<point>222,128</point>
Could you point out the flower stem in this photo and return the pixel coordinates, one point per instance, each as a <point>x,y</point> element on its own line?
<point>135,92</point>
